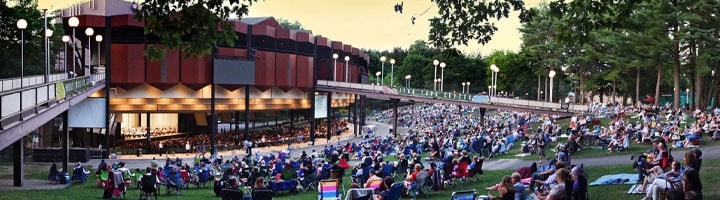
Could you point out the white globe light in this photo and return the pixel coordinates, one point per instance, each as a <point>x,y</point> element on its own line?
<point>65,38</point>
<point>436,62</point>
<point>442,65</point>
<point>48,32</point>
<point>552,73</point>
<point>392,61</point>
<point>335,56</point>
<point>89,31</point>
<point>377,73</point>
<point>73,22</point>
<point>22,24</point>
<point>98,38</point>
<point>382,58</point>
<point>347,58</point>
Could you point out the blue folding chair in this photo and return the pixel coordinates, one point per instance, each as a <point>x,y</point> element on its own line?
<point>464,195</point>
<point>395,191</point>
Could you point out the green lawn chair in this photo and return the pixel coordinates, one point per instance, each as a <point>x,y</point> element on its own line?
<point>104,175</point>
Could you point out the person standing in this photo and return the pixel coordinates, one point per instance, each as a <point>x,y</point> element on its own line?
<point>541,147</point>
<point>161,148</point>
<point>187,147</point>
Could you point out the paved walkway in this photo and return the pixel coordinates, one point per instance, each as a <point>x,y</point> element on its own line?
<point>382,129</point>
<point>31,184</point>
<point>133,162</point>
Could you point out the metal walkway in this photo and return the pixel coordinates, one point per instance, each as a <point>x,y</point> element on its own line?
<point>421,95</point>
<point>25,109</point>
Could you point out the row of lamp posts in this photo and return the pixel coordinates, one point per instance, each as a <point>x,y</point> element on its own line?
<point>73,22</point>
<point>347,62</point>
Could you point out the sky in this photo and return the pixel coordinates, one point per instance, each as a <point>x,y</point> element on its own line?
<point>368,24</point>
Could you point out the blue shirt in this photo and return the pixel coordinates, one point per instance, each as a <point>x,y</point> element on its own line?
<point>520,191</point>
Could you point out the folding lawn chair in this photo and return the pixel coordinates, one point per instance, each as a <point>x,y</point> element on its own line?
<point>329,190</point>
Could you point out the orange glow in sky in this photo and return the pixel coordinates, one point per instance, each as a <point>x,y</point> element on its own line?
<point>369,24</point>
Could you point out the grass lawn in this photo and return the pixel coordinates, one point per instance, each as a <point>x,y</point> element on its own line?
<point>587,151</point>
<point>32,171</point>
<point>710,178</point>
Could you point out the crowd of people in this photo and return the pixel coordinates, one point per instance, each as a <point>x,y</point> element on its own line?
<point>260,137</point>
<point>131,133</point>
<point>447,144</point>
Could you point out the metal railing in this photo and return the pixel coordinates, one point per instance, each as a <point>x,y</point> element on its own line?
<point>28,81</point>
<point>16,102</point>
<point>457,96</point>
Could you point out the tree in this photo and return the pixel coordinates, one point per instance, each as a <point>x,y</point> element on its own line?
<point>462,21</point>
<point>192,26</point>
<point>295,25</point>
<point>34,52</point>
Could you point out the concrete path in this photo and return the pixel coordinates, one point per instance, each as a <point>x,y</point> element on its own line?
<point>382,129</point>
<point>31,184</point>
<point>133,162</point>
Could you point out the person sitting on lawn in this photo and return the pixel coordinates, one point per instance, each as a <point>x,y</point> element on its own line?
<point>546,178</point>
<point>557,192</point>
<point>373,177</point>
<point>506,189</point>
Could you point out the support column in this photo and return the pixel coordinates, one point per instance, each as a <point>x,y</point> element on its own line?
<point>147,131</point>
<point>395,117</point>
<point>313,126</point>
<point>213,115</point>
<point>107,55</point>
<point>482,115</point>
<point>292,122</point>
<point>18,164</point>
<point>247,114</point>
<point>65,141</point>
<point>362,111</point>
<point>356,125</point>
<point>237,128</point>
<point>329,117</point>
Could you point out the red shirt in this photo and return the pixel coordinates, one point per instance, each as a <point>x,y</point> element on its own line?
<point>413,176</point>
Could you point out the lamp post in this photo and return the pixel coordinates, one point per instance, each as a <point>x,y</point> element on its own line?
<point>407,81</point>
<point>73,22</point>
<point>48,34</point>
<point>551,75</point>
<point>468,87</point>
<point>488,93</point>
<point>493,77</point>
<point>463,87</point>
<point>442,76</point>
<point>377,78</point>
<point>436,63</point>
<point>347,68</point>
<point>392,71</point>
<point>335,57</point>
<point>65,39</point>
<point>89,32</point>
<point>22,25</point>
<point>98,39</point>
<point>382,68</point>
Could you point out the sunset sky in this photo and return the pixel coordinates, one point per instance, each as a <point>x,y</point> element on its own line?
<point>369,24</point>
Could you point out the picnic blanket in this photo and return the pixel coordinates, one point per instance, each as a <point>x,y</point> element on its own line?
<point>522,155</point>
<point>628,179</point>
<point>635,189</point>
<point>525,181</point>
